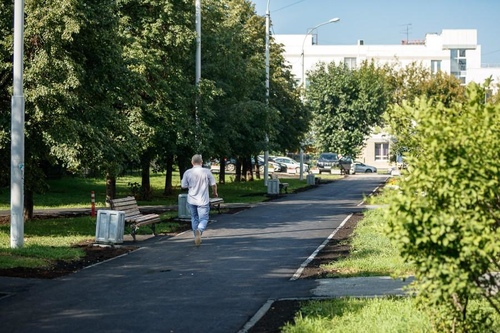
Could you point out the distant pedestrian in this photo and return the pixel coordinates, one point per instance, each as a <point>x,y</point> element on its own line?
<point>198,180</point>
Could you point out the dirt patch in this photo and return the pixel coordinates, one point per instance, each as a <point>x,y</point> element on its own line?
<point>93,255</point>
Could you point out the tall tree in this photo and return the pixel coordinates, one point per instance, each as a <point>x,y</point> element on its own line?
<point>74,89</point>
<point>346,104</point>
<point>6,55</point>
<point>159,49</point>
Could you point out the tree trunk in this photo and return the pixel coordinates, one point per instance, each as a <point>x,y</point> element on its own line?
<point>249,169</point>
<point>28,204</point>
<point>222,171</point>
<point>168,177</point>
<point>110,187</point>
<point>257,167</point>
<point>145,193</point>
<point>237,177</point>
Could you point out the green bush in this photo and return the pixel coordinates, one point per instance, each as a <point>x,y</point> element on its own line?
<point>445,219</point>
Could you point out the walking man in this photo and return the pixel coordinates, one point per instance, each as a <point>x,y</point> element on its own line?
<point>198,180</point>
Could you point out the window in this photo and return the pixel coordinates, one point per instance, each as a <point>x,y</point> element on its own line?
<point>458,61</point>
<point>381,151</point>
<point>435,66</point>
<point>350,63</point>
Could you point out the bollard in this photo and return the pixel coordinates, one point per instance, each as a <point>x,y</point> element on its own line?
<point>92,200</point>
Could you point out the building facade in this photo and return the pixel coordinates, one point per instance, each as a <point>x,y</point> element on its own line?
<point>454,51</point>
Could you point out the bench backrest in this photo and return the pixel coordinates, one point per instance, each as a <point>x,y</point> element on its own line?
<point>128,205</point>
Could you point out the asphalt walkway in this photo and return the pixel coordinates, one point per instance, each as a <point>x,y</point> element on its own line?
<point>246,261</point>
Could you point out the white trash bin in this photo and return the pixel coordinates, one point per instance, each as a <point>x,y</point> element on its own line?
<point>183,211</point>
<point>110,226</point>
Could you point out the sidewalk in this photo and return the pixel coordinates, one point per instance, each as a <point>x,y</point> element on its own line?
<point>245,262</point>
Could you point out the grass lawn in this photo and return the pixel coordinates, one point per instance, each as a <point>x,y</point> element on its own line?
<point>75,192</point>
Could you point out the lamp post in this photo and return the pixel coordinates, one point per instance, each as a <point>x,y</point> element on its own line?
<point>197,73</point>
<point>17,134</point>
<point>303,83</point>
<point>266,151</point>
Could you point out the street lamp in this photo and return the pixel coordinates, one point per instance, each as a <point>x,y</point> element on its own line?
<point>197,73</point>
<point>266,151</point>
<point>17,134</point>
<point>333,20</point>
<point>303,83</point>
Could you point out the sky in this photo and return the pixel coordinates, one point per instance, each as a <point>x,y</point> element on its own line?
<point>387,21</point>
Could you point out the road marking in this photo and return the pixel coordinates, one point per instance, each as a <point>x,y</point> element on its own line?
<point>262,311</point>
<point>315,253</point>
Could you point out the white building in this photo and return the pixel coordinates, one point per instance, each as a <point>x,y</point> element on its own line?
<point>452,51</point>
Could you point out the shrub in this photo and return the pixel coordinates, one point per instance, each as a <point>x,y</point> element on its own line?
<point>447,215</point>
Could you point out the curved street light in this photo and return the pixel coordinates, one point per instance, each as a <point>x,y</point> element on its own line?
<point>333,20</point>
<point>303,83</point>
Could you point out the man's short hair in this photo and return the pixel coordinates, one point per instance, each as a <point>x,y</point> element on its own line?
<point>197,159</point>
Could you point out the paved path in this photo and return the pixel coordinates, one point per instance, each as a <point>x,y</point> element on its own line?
<point>169,285</point>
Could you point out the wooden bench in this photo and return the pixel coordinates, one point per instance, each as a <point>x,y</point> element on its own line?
<point>283,186</point>
<point>215,203</point>
<point>133,217</point>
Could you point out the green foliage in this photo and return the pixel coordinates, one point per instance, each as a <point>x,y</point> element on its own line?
<point>407,85</point>
<point>346,104</point>
<point>446,218</point>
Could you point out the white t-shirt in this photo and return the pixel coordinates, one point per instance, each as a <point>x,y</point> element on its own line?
<point>198,180</point>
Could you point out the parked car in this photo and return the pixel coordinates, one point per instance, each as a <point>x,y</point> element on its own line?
<point>327,162</point>
<point>229,167</point>
<point>360,167</point>
<point>271,164</point>
<point>290,164</point>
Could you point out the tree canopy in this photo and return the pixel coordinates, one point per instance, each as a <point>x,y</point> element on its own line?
<point>346,104</point>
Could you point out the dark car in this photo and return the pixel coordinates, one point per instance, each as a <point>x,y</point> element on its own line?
<point>327,162</point>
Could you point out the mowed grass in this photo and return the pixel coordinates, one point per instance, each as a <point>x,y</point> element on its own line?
<point>372,253</point>
<point>376,315</point>
<point>47,240</point>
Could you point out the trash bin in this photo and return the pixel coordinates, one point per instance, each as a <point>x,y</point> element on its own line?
<point>110,226</point>
<point>273,187</point>
<point>310,179</point>
<point>183,211</point>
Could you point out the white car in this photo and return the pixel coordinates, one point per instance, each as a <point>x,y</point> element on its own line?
<point>363,168</point>
<point>290,164</point>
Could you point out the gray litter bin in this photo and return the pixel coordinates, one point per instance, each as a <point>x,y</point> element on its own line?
<point>183,211</point>
<point>310,179</point>
<point>110,226</point>
<point>273,186</point>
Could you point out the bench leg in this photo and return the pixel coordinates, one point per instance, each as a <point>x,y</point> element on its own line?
<point>153,227</point>
<point>133,232</point>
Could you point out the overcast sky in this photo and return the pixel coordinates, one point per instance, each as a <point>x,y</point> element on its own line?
<point>387,21</point>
